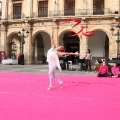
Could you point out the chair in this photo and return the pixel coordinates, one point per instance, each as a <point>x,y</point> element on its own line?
<point>99,61</point>
<point>82,65</point>
<point>70,64</point>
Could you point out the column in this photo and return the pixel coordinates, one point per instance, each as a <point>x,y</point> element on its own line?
<point>28,45</point>
<point>4,39</point>
<point>55,35</point>
<point>112,47</point>
<point>83,46</point>
<point>31,8</point>
<point>5,9</point>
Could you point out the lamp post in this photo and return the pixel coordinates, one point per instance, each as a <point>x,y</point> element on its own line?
<point>23,36</point>
<point>118,36</point>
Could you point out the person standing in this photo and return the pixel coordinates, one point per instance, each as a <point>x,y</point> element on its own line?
<point>88,60</point>
<point>18,57</point>
<point>53,62</point>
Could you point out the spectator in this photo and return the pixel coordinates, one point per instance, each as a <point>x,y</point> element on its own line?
<point>115,71</point>
<point>103,71</point>
<point>88,60</point>
<point>44,59</point>
<point>18,57</point>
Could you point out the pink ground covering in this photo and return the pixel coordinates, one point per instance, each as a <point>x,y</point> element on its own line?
<point>24,97</point>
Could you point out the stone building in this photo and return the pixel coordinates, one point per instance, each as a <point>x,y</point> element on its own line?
<point>39,17</point>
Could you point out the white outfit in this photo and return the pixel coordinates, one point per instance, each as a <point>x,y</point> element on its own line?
<point>53,61</point>
<point>88,56</point>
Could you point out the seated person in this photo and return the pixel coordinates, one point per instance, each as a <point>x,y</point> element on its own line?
<point>103,70</point>
<point>115,71</point>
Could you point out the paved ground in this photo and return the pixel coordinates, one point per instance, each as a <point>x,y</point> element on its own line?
<point>40,69</point>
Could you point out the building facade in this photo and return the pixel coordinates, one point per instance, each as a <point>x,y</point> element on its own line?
<point>40,18</point>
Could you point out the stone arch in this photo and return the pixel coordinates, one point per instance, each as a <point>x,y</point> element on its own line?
<point>13,45</point>
<point>41,42</point>
<point>38,31</point>
<point>102,38</point>
<point>67,30</point>
<point>9,37</point>
<point>71,43</point>
<point>104,30</point>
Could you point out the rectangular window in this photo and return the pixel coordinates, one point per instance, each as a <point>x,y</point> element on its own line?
<point>98,7</point>
<point>69,7</point>
<point>17,8</point>
<point>43,9</point>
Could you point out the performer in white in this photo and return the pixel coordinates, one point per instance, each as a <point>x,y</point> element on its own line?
<point>53,61</point>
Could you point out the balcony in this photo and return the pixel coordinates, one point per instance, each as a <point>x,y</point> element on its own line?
<point>62,13</point>
<point>43,14</point>
<point>69,12</point>
<point>16,16</point>
<point>79,12</point>
<point>40,14</point>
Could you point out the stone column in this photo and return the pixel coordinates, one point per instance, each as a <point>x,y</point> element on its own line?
<point>83,46</point>
<point>55,35</point>
<point>5,9</point>
<point>4,39</point>
<point>113,47</point>
<point>35,8</point>
<point>31,8</point>
<point>27,45</point>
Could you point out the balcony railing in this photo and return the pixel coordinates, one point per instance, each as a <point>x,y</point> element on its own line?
<point>16,16</point>
<point>79,12</point>
<point>40,14</point>
<point>98,11</point>
<point>57,13</point>
<point>43,14</point>
<point>69,12</point>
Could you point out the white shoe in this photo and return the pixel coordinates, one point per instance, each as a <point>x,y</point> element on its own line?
<point>49,88</point>
<point>62,86</point>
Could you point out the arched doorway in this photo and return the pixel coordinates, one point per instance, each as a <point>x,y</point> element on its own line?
<point>99,45</point>
<point>71,43</point>
<point>42,43</point>
<point>13,46</point>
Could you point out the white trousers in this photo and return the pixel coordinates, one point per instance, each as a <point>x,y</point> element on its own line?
<point>52,69</point>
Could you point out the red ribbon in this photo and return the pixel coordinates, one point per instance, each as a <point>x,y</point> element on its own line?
<point>77,22</point>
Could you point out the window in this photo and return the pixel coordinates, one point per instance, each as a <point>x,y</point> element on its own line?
<point>17,10</point>
<point>69,7</point>
<point>98,7</point>
<point>43,9</point>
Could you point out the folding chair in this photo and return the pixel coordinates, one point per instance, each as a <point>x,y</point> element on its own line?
<point>82,65</point>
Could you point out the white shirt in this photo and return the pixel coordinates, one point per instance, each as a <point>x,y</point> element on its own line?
<point>88,56</point>
<point>52,58</point>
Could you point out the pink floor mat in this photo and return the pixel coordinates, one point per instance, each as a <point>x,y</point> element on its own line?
<point>25,97</point>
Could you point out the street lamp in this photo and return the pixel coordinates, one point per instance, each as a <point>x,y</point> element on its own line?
<point>23,36</point>
<point>118,36</point>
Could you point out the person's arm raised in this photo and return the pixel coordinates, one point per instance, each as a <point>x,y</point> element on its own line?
<point>67,53</point>
<point>52,41</point>
<point>53,44</point>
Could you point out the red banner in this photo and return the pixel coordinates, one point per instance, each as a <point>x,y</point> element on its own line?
<point>77,22</point>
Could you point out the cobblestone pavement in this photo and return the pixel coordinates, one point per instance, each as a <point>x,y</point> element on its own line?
<point>41,69</point>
